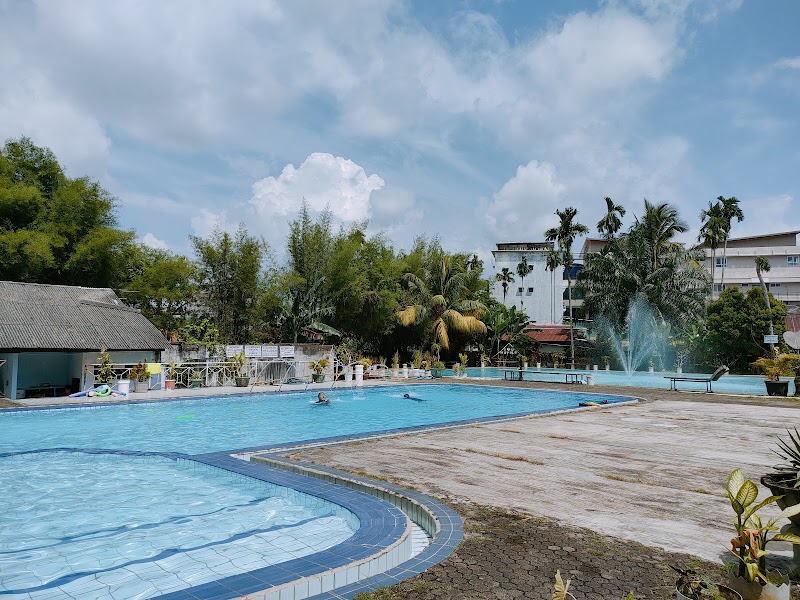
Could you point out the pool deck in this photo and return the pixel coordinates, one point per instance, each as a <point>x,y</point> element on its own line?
<point>653,472</point>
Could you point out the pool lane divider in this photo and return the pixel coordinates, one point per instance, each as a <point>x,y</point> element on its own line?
<point>442,524</point>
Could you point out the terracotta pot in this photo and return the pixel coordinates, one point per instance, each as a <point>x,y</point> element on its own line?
<point>169,384</point>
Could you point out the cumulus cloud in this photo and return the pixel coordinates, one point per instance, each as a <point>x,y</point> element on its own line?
<point>789,63</point>
<point>148,239</point>
<point>323,181</point>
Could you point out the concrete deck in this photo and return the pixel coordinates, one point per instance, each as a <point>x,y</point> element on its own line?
<point>653,472</point>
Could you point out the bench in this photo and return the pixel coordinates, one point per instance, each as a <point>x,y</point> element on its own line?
<point>519,375</point>
<point>674,379</point>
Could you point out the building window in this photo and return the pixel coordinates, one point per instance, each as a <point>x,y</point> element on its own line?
<point>530,290</point>
<point>774,285</point>
<point>519,291</point>
<point>717,287</point>
<point>721,261</point>
<point>793,261</point>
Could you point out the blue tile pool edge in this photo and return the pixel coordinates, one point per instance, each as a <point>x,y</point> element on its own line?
<point>382,526</point>
<point>443,524</point>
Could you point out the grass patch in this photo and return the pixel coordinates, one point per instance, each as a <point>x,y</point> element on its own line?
<point>530,461</point>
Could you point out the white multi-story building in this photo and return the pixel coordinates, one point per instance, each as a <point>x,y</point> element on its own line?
<point>539,295</point>
<point>783,254</point>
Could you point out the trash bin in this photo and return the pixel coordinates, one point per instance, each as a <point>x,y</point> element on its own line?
<point>123,386</point>
<point>590,380</point>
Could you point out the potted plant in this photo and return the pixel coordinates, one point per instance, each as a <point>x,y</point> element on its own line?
<point>558,358</point>
<point>172,376</point>
<point>692,585</point>
<point>484,360</point>
<point>396,364</point>
<point>318,366</point>
<point>366,363</point>
<point>561,590</point>
<point>463,360</point>
<point>105,374</point>
<point>196,380</point>
<point>784,482</point>
<point>752,579</point>
<point>426,367</point>
<point>139,377</point>
<point>774,367</point>
<point>437,370</point>
<point>651,366</point>
<point>416,361</point>
<point>607,362</point>
<point>240,375</point>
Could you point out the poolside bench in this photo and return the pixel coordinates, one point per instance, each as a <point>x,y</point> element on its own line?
<point>674,379</point>
<point>519,375</point>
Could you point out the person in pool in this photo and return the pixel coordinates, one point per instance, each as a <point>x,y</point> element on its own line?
<point>413,398</point>
<point>322,399</point>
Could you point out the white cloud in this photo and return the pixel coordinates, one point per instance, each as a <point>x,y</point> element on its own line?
<point>323,181</point>
<point>789,63</point>
<point>768,214</point>
<point>148,239</point>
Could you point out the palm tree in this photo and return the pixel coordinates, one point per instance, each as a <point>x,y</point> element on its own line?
<point>501,321</point>
<point>729,207</point>
<point>565,235</point>
<point>443,302</point>
<point>659,224</point>
<point>551,263</point>
<point>611,222</point>
<point>523,269</point>
<point>712,231</point>
<point>763,266</point>
<point>474,263</point>
<point>505,278</point>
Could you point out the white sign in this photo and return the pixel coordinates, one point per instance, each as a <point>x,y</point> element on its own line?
<point>770,339</point>
<point>252,351</point>
<point>269,351</point>
<point>233,350</point>
<point>287,351</point>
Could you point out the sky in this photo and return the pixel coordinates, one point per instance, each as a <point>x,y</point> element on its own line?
<point>470,120</point>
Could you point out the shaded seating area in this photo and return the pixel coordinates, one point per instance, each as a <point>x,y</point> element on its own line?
<point>674,379</point>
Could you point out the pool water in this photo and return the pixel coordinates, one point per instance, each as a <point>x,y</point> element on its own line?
<point>732,384</point>
<point>215,424</point>
<point>103,525</point>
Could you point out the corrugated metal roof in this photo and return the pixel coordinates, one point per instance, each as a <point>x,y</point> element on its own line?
<point>60,317</point>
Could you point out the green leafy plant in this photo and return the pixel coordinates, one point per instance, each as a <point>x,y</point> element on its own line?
<point>319,366</point>
<point>172,370</point>
<point>462,358</point>
<point>752,535</point>
<point>697,586</point>
<point>139,371</point>
<point>105,374</point>
<point>438,365</point>
<point>789,451</point>
<point>558,358</point>
<point>606,361</point>
<point>780,364</point>
<point>426,364</point>
<point>396,360</point>
<point>561,589</point>
<point>416,358</point>
<point>239,361</point>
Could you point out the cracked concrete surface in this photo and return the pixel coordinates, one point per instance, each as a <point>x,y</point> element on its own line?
<point>652,472</point>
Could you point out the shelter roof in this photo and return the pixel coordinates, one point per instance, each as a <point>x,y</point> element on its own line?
<point>60,317</point>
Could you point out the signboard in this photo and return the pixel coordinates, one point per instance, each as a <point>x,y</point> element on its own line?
<point>269,352</point>
<point>252,351</point>
<point>287,351</point>
<point>233,350</point>
<point>770,339</point>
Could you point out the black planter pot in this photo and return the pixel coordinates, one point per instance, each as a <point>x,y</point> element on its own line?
<point>242,381</point>
<point>777,388</point>
<point>782,484</point>
<point>318,377</point>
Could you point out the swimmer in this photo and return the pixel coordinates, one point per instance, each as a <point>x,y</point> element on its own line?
<point>322,399</point>
<point>413,398</point>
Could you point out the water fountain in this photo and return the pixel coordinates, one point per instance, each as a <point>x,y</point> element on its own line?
<point>641,335</point>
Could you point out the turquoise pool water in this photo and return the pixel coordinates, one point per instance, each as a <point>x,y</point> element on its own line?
<point>214,424</point>
<point>733,384</point>
<point>78,525</point>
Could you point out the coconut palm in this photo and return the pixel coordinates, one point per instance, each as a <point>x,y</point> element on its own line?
<point>551,262</point>
<point>763,266</point>
<point>658,225</point>
<point>505,277</point>
<point>523,269</point>
<point>729,207</point>
<point>712,231</point>
<point>474,263</point>
<point>677,286</point>
<point>565,235</point>
<point>611,222</point>
<point>443,303</point>
<point>502,321</point>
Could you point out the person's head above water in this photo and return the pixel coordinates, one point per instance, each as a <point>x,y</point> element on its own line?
<point>321,397</point>
<point>406,396</point>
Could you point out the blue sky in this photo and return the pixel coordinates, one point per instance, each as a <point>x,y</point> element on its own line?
<point>470,120</point>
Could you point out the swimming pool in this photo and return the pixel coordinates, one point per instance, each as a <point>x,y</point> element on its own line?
<point>732,384</point>
<point>112,501</point>
<point>260,420</point>
<point>105,525</point>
